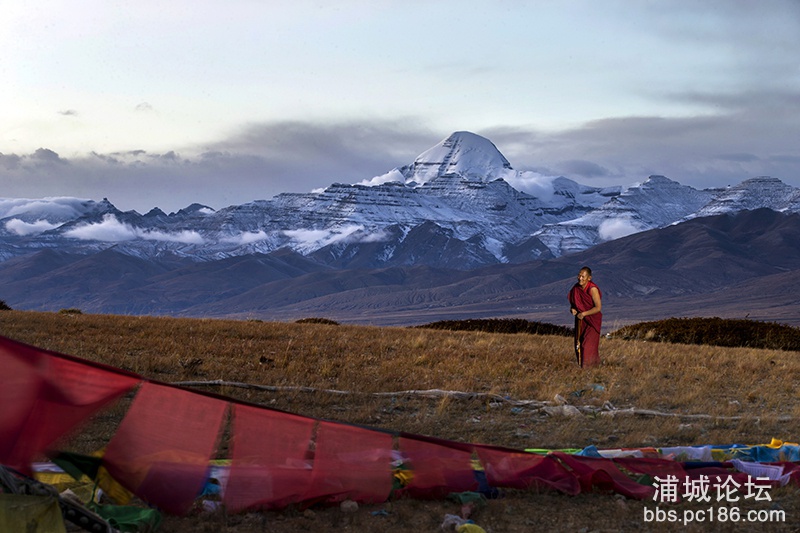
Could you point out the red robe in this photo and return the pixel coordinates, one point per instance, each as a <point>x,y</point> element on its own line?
<point>580,298</point>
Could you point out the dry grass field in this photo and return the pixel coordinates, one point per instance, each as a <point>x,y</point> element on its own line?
<point>662,395</point>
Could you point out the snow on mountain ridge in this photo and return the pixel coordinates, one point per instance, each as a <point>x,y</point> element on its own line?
<point>462,153</point>
<point>753,193</point>
<point>462,191</point>
<point>33,216</point>
<point>471,157</point>
<point>655,203</point>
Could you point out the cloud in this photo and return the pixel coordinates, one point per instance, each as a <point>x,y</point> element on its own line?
<point>344,152</point>
<point>170,157</point>
<point>10,162</point>
<point>393,175</point>
<point>791,159</point>
<point>307,236</point>
<point>43,155</point>
<point>247,237</point>
<point>766,100</point>
<point>378,236</point>
<point>755,139</point>
<point>22,228</point>
<point>742,158</point>
<point>49,209</point>
<point>311,239</point>
<point>723,75</point>
<point>112,230</point>
<point>257,162</point>
<point>109,230</point>
<point>580,167</point>
<point>750,134</point>
<point>185,236</point>
<point>532,183</point>
<point>616,228</point>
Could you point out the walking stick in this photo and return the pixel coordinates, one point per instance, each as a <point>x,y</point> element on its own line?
<point>578,327</point>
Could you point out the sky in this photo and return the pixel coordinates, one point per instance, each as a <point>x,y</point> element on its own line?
<point>164,104</point>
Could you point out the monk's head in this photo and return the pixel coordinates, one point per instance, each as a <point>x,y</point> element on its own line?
<point>584,276</point>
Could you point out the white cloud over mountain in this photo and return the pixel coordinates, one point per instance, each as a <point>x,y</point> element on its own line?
<point>20,227</point>
<point>617,228</point>
<point>112,230</point>
<point>48,208</point>
<point>247,237</point>
<point>312,238</point>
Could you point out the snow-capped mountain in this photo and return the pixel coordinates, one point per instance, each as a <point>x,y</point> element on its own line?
<point>460,204</point>
<point>23,216</point>
<point>754,193</point>
<point>463,153</point>
<point>656,203</point>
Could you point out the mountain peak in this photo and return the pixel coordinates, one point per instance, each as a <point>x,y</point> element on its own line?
<point>753,193</point>
<point>463,153</point>
<point>658,178</point>
<point>195,208</point>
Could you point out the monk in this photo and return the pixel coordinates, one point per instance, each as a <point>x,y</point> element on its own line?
<point>585,303</point>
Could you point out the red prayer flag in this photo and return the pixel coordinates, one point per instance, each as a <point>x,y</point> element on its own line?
<point>652,466</point>
<point>351,462</point>
<point>603,474</point>
<point>522,470</point>
<point>44,395</point>
<point>162,449</point>
<point>438,467</point>
<point>271,462</point>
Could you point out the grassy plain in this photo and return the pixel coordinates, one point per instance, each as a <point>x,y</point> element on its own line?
<point>652,394</point>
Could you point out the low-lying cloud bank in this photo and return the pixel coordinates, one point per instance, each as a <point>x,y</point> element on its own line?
<point>22,228</point>
<point>612,229</point>
<point>47,208</point>
<point>312,239</point>
<point>112,230</point>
